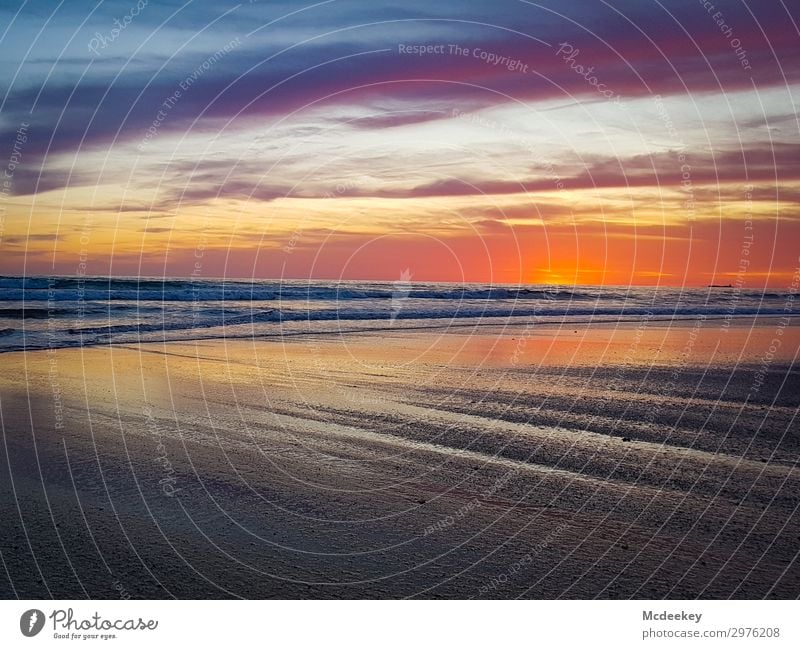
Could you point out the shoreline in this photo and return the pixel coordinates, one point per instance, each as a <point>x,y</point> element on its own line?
<point>499,325</point>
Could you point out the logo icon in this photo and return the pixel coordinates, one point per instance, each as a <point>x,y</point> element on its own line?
<point>31,622</point>
<point>402,289</point>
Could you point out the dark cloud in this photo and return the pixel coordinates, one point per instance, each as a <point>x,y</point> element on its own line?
<point>759,163</point>
<point>28,180</point>
<point>31,238</point>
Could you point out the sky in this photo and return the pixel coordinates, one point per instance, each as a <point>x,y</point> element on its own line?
<point>631,142</point>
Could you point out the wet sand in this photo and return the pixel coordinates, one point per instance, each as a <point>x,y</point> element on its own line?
<point>612,461</point>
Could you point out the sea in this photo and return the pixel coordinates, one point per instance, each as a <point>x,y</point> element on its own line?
<point>56,312</point>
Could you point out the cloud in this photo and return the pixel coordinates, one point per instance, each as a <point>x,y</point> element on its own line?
<point>635,50</point>
<point>760,162</point>
<point>21,240</point>
<point>28,180</point>
<point>393,119</point>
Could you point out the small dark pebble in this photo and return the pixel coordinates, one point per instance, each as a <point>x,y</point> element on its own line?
<point>421,501</point>
<point>626,439</point>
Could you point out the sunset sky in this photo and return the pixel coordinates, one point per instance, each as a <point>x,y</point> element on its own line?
<point>582,142</point>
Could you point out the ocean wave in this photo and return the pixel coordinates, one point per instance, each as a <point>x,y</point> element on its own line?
<point>276,315</point>
<point>88,310</point>
<point>181,290</point>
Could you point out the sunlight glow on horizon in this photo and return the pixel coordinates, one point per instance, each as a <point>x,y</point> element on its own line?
<point>336,164</point>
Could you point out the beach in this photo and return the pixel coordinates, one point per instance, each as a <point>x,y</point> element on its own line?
<point>643,458</point>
